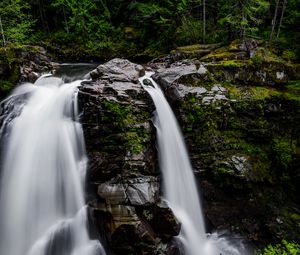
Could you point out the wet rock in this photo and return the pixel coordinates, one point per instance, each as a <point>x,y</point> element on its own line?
<point>118,215</point>
<point>128,230</point>
<point>147,82</point>
<point>183,90</point>
<point>280,75</point>
<point>240,164</point>
<point>113,193</point>
<point>117,122</point>
<point>166,76</point>
<point>202,70</point>
<point>162,220</point>
<point>118,70</point>
<point>129,239</point>
<point>134,191</point>
<point>226,126</point>
<point>35,63</point>
<point>120,141</point>
<point>142,191</point>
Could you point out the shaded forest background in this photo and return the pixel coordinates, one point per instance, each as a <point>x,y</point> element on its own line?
<point>106,28</point>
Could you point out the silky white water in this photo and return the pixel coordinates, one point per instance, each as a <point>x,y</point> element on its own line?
<point>179,187</point>
<point>42,208</point>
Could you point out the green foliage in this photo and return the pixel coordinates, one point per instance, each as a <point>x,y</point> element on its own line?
<point>98,27</point>
<point>6,86</point>
<point>283,149</point>
<point>17,23</point>
<point>285,248</point>
<point>243,16</point>
<point>190,31</point>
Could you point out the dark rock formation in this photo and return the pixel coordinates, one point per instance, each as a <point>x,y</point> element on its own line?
<point>120,142</point>
<point>22,64</point>
<point>243,144</point>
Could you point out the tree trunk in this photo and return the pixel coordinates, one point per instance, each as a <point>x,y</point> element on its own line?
<point>281,17</point>
<point>43,16</point>
<point>243,28</point>
<point>2,32</point>
<point>274,21</point>
<point>204,21</point>
<point>66,22</point>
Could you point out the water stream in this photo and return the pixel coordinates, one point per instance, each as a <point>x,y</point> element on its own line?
<point>42,207</point>
<point>179,186</point>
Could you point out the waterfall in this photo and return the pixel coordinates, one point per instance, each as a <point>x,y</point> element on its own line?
<point>179,186</point>
<point>42,207</point>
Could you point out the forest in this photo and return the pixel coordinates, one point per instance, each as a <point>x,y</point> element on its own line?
<point>105,28</point>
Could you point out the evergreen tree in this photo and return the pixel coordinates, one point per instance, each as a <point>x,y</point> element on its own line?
<point>16,22</point>
<point>243,16</point>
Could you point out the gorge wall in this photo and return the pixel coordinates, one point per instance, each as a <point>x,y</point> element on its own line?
<point>242,138</point>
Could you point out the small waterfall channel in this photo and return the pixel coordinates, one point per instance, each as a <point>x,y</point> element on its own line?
<point>42,207</point>
<point>179,186</point>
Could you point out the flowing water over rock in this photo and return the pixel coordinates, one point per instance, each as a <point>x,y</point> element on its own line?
<point>179,186</point>
<point>42,208</point>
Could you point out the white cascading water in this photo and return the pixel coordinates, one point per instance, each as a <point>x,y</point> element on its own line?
<point>42,207</point>
<point>179,186</point>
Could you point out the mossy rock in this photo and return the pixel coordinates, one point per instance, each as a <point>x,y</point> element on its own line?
<point>220,56</point>
<point>195,50</point>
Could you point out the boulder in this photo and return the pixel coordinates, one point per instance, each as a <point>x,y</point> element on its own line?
<point>122,170</point>
<point>120,70</point>
<point>117,110</point>
<point>143,190</point>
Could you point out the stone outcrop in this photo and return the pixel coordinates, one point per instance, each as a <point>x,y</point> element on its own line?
<point>243,144</point>
<point>120,142</point>
<point>242,62</point>
<point>22,64</point>
<point>242,135</point>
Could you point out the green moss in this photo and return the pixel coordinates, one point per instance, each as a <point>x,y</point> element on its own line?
<point>293,91</point>
<point>8,55</point>
<point>250,93</point>
<point>283,149</point>
<point>218,56</point>
<point>293,85</point>
<point>223,169</point>
<point>193,47</point>
<point>234,45</point>
<point>285,248</point>
<point>233,91</point>
<point>262,93</point>
<point>122,114</point>
<point>233,63</point>
<point>136,140</point>
<point>125,118</point>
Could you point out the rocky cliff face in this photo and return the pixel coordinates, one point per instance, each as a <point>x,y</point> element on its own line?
<point>243,143</point>
<point>120,142</point>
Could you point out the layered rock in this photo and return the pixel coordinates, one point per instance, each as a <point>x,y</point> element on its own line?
<point>243,143</point>
<point>242,62</point>
<point>120,142</point>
